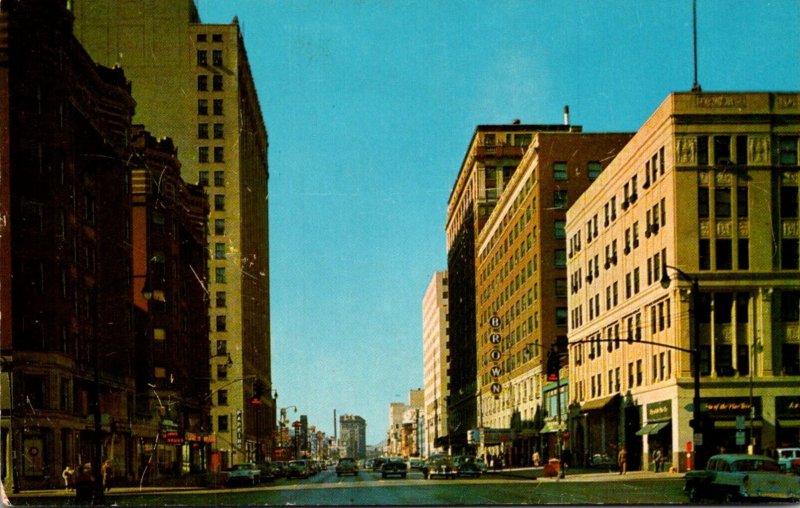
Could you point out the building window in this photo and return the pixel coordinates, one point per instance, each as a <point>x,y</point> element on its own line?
<point>222,398</point>
<point>219,275</point>
<point>560,258</point>
<point>705,360</point>
<point>222,348</point>
<point>221,299</point>
<point>202,82</point>
<point>789,202</point>
<point>219,154</point>
<point>219,130</point>
<point>702,150</point>
<point>202,154</point>
<point>561,288</point>
<point>219,178</point>
<point>561,316</point>
<point>722,202</point>
<point>559,171</point>
<point>724,254</point>
<point>219,202</point>
<point>219,226</point>
<point>560,229</point>
<point>791,359</point>
<point>742,208</point>
<point>705,254</point>
<point>216,57</point>
<point>202,130</point>
<point>743,258</point>
<point>702,202</point>
<point>202,57</point>
<point>560,200</point>
<point>722,150</point>
<point>218,106</point>
<point>202,37</point>
<point>790,306</point>
<point>790,254</point>
<point>221,323</point>
<point>787,148</point>
<point>202,107</point>
<point>594,170</point>
<point>222,423</point>
<point>741,150</point>
<point>202,178</point>
<point>743,360</point>
<point>217,82</point>
<point>724,360</point>
<point>219,251</point>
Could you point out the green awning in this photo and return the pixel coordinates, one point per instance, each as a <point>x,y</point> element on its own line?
<point>651,428</point>
<point>549,427</point>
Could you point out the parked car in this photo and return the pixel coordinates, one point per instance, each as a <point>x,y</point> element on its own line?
<point>439,466</point>
<point>347,465</point>
<point>735,477</point>
<point>482,465</point>
<point>786,456</point>
<point>378,463</point>
<point>279,468</point>
<point>298,469</point>
<point>467,465</point>
<point>394,466</point>
<point>267,471</point>
<point>244,473</point>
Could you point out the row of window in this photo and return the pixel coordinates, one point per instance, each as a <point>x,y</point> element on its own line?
<point>219,178</point>
<point>216,82</point>
<point>217,107</point>
<point>204,37</point>
<point>216,57</point>
<point>203,132</point>
<point>203,154</point>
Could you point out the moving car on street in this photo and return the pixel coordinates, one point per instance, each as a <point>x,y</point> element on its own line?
<point>736,477</point>
<point>394,466</point>
<point>439,466</point>
<point>347,465</point>
<point>467,465</point>
<point>298,469</point>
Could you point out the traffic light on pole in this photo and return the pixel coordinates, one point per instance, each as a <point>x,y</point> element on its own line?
<point>258,392</point>
<point>553,364</point>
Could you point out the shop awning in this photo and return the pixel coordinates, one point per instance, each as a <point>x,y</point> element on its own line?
<point>598,404</point>
<point>731,424</point>
<point>549,427</point>
<point>651,428</point>
<point>788,422</point>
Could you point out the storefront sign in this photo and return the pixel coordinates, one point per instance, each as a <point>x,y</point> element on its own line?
<point>172,437</point>
<point>191,436</point>
<point>787,407</point>
<point>659,411</point>
<point>496,436</point>
<point>239,428</point>
<point>729,407</point>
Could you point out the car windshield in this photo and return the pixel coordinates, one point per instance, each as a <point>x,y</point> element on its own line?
<point>754,465</point>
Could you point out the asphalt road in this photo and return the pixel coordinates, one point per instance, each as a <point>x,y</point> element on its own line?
<point>368,489</point>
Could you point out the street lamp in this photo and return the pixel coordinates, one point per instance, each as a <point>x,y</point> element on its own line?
<point>698,422</point>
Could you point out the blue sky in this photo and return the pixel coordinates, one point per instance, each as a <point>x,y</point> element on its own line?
<point>370,105</point>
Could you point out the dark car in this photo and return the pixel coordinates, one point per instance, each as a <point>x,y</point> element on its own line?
<point>347,465</point>
<point>467,466</point>
<point>439,466</point>
<point>394,466</point>
<point>279,468</point>
<point>378,463</point>
<point>298,469</point>
<point>268,471</point>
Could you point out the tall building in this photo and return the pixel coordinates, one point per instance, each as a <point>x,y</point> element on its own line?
<point>522,291</point>
<point>489,163</point>
<point>434,352</point>
<point>192,82</point>
<point>693,228</point>
<point>353,436</point>
<point>73,170</point>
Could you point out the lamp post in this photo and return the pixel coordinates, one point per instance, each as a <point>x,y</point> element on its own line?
<point>697,422</point>
<point>147,294</point>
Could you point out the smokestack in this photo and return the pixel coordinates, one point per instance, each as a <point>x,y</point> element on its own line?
<point>566,115</point>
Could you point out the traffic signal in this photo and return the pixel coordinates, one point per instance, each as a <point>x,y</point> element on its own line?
<point>258,392</point>
<point>553,365</point>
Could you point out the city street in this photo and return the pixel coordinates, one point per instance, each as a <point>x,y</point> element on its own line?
<point>367,488</point>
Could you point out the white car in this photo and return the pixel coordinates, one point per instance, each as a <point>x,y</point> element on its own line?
<point>786,456</point>
<point>736,477</point>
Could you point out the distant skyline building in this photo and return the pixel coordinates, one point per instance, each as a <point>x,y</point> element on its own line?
<point>353,436</point>
<point>435,312</point>
<point>708,186</point>
<point>192,82</point>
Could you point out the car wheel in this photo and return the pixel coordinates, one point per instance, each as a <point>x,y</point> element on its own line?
<point>692,494</point>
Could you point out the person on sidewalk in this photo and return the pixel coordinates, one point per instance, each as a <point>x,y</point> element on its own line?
<point>67,475</point>
<point>658,459</point>
<point>622,460</point>
<point>106,471</point>
<point>84,485</point>
<point>536,459</point>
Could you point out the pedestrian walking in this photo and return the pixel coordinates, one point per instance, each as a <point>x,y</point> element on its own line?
<point>106,471</point>
<point>658,459</point>
<point>67,474</point>
<point>622,460</point>
<point>536,459</point>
